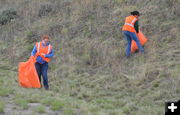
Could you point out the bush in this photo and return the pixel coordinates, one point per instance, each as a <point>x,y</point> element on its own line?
<point>40,109</point>
<point>5,92</point>
<point>57,105</point>
<point>45,9</point>
<point>31,36</point>
<point>7,15</point>
<point>68,112</point>
<point>21,102</point>
<point>30,47</point>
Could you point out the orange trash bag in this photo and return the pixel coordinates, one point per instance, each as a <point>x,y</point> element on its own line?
<point>27,75</point>
<point>142,40</point>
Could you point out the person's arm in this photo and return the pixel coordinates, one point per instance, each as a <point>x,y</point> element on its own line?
<point>34,51</point>
<point>51,54</point>
<point>136,26</point>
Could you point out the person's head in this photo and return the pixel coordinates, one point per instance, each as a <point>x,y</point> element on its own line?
<point>135,13</point>
<point>45,38</point>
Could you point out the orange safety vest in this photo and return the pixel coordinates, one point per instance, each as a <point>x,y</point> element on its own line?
<point>43,50</point>
<point>129,24</point>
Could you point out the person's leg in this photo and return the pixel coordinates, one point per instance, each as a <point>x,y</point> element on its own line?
<point>44,75</point>
<point>135,38</point>
<point>39,70</point>
<point>128,37</point>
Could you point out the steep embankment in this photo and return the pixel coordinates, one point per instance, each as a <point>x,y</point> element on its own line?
<point>89,73</point>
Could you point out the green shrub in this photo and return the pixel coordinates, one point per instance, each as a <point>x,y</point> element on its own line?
<point>68,112</point>
<point>47,101</point>
<point>40,109</point>
<point>57,105</point>
<point>7,15</point>
<point>22,103</point>
<point>45,9</point>
<point>5,91</point>
<point>30,47</point>
<point>31,36</point>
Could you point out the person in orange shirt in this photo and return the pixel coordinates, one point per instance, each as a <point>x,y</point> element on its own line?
<point>130,29</point>
<point>43,51</point>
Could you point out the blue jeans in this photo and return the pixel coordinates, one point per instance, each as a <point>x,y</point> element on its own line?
<point>42,70</point>
<point>132,36</point>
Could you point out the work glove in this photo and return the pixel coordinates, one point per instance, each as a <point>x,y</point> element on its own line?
<point>32,57</point>
<point>43,55</point>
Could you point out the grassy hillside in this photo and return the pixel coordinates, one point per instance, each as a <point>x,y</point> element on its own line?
<point>89,74</point>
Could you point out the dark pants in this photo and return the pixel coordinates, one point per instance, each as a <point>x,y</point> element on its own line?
<point>42,70</point>
<point>132,36</point>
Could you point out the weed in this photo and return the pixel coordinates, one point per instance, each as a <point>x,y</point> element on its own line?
<point>57,105</point>
<point>22,103</point>
<point>40,109</point>
<point>2,105</point>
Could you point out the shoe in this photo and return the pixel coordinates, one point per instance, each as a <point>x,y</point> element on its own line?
<point>46,88</point>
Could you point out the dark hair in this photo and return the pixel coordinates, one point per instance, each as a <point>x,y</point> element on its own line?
<point>135,13</point>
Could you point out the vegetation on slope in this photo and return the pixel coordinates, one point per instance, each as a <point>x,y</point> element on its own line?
<point>89,73</point>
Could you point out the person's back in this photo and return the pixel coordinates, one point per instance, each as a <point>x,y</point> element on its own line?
<point>130,28</point>
<point>129,23</point>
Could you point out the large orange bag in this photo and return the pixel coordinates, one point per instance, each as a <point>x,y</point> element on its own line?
<point>28,76</point>
<point>142,40</point>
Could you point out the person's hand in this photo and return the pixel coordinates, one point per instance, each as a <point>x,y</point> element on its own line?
<point>43,54</point>
<point>32,57</point>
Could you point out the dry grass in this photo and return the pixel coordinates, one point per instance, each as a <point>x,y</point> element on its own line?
<point>89,67</point>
